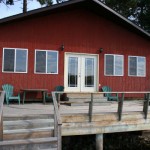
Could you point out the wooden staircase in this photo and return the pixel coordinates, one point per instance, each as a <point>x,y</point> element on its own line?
<point>28,133</point>
<point>31,132</point>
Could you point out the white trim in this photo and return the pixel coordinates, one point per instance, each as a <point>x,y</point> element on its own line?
<point>137,66</point>
<point>46,61</point>
<point>114,55</point>
<point>15,49</point>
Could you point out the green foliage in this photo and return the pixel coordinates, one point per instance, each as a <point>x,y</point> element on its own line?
<point>46,2</point>
<point>138,9</point>
<point>122,6</point>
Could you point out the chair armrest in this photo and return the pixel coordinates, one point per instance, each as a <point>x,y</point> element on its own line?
<point>116,94</point>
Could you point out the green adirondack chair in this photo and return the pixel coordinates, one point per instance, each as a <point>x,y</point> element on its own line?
<point>48,96</point>
<point>109,96</point>
<point>59,88</point>
<point>9,93</point>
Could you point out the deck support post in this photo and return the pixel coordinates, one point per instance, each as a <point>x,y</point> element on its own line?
<point>99,141</point>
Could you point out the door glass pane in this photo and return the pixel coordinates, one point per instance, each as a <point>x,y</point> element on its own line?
<point>89,72</point>
<point>72,72</point>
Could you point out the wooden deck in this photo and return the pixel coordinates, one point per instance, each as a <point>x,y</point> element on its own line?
<point>93,115</point>
<point>75,119</point>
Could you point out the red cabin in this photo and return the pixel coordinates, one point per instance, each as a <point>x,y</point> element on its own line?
<point>80,44</point>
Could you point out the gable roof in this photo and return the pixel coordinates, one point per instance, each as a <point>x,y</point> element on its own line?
<point>93,5</point>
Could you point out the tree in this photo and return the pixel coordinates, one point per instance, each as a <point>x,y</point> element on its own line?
<point>138,11</point>
<point>42,2</point>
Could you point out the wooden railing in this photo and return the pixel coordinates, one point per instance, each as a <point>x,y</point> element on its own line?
<point>2,93</point>
<point>57,121</point>
<point>120,101</point>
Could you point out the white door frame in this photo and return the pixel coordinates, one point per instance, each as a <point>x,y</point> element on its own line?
<point>80,89</point>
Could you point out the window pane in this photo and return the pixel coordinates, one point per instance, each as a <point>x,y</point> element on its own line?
<point>73,72</point>
<point>41,61</point>
<point>21,57</point>
<point>52,62</point>
<point>109,64</point>
<point>118,65</point>
<point>9,56</point>
<point>133,66</point>
<point>89,72</point>
<point>141,66</point>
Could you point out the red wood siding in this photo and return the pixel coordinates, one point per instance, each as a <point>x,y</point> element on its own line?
<point>81,31</point>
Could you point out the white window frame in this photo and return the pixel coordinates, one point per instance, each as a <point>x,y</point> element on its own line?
<point>20,49</point>
<point>114,55</point>
<point>137,75</point>
<point>46,61</point>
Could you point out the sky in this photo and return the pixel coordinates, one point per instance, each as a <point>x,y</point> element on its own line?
<point>10,10</point>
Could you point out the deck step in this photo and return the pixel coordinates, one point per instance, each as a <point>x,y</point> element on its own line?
<point>84,95</point>
<point>85,101</point>
<point>82,99</point>
<point>24,127</point>
<point>30,144</point>
<point>28,133</point>
<point>28,124</point>
<point>28,117</point>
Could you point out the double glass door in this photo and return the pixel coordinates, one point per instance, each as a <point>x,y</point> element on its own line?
<point>80,73</point>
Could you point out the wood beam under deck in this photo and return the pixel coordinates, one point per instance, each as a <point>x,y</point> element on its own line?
<point>104,123</point>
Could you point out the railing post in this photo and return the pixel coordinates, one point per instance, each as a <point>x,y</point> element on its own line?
<point>58,100</point>
<point>120,107</point>
<point>91,108</point>
<point>1,128</point>
<point>146,105</point>
<point>59,138</point>
<point>57,120</point>
<point>1,114</point>
<point>55,125</point>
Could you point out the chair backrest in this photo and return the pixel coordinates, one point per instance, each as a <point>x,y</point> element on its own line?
<point>107,89</point>
<point>59,88</point>
<point>8,89</point>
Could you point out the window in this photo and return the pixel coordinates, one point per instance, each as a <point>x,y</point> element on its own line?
<point>113,65</point>
<point>46,61</point>
<point>137,66</point>
<point>15,60</point>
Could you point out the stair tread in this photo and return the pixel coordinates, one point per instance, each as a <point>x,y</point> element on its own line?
<point>19,122</point>
<point>17,131</point>
<point>27,117</point>
<point>28,141</point>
